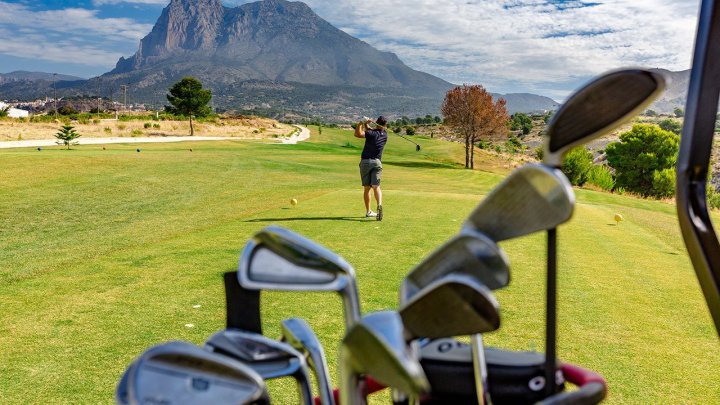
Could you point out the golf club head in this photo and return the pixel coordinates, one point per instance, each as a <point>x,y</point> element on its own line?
<point>278,259</point>
<point>182,373</point>
<point>469,252</point>
<point>269,358</point>
<point>532,198</point>
<point>376,346</point>
<point>598,107</point>
<point>297,333</point>
<point>454,305</point>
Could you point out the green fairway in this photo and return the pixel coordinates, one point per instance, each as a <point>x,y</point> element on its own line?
<point>104,253</point>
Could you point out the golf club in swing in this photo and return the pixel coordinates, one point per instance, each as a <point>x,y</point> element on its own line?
<point>594,110</point>
<point>370,121</point>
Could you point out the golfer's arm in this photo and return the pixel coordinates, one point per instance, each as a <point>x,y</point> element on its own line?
<point>360,130</point>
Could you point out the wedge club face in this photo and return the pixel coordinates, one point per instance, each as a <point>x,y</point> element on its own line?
<point>532,198</point>
<point>376,346</point>
<point>469,252</point>
<point>297,333</point>
<point>182,373</point>
<point>454,305</point>
<point>599,107</point>
<point>279,259</point>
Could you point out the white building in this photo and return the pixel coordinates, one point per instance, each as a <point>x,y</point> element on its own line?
<point>14,112</point>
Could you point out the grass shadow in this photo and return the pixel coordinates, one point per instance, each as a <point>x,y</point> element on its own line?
<point>353,219</point>
<point>423,164</point>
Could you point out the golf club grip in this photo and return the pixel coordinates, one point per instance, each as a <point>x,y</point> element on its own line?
<point>593,388</point>
<point>372,387</point>
<point>242,305</point>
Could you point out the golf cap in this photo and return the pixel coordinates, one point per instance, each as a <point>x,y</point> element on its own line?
<point>381,121</point>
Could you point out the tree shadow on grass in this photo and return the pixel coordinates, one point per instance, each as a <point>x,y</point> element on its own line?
<point>352,219</point>
<point>424,165</point>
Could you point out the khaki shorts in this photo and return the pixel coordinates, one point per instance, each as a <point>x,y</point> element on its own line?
<point>370,172</point>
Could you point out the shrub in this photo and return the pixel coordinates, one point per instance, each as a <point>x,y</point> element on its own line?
<point>108,130</point>
<point>576,166</point>
<point>600,176</point>
<point>713,197</point>
<point>136,132</point>
<point>67,110</point>
<point>122,127</point>
<point>671,125</point>
<point>410,130</point>
<point>513,145</point>
<point>483,144</point>
<point>83,121</point>
<point>147,125</point>
<point>397,130</point>
<point>156,126</point>
<point>498,149</point>
<point>540,152</point>
<point>96,121</point>
<point>664,183</point>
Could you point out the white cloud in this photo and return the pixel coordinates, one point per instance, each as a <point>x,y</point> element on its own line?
<point>97,3</point>
<point>522,45</point>
<point>72,35</point>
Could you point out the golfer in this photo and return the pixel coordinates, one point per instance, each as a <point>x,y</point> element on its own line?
<point>370,164</point>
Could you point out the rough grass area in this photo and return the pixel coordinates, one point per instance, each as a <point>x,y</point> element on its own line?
<point>246,128</point>
<point>107,252</point>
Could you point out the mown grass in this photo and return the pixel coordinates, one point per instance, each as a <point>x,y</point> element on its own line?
<point>106,252</point>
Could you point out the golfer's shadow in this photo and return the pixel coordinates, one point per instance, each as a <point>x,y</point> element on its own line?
<point>353,219</point>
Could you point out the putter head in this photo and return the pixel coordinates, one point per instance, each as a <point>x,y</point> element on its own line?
<point>532,198</point>
<point>598,107</point>
<point>269,358</point>
<point>454,305</point>
<point>376,346</point>
<point>469,252</point>
<point>182,373</point>
<point>278,259</point>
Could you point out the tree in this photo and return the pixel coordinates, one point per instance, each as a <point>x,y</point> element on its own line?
<point>471,111</point>
<point>66,135</point>
<point>521,121</point>
<point>641,158</point>
<point>4,112</point>
<point>67,110</point>
<point>671,125</point>
<point>190,99</point>
<point>678,112</point>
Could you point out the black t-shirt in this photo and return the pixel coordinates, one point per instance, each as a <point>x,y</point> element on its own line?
<point>375,140</point>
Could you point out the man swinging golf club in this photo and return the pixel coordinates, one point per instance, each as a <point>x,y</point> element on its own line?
<point>370,164</point>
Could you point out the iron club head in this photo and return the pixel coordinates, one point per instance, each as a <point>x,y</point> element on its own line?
<point>532,198</point>
<point>279,259</point>
<point>182,373</point>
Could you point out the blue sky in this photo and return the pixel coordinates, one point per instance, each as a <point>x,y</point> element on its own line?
<point>546,47</point>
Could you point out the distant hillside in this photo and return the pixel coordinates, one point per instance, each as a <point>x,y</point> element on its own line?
<point>676,93</point>
<point>22,76</point>
<point>528,103</point>
<point>271,57</point>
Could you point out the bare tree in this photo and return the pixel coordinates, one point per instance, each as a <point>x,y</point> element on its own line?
<point>471,111</point>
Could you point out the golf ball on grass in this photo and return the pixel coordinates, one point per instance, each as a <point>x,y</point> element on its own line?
<point>293,201</point>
